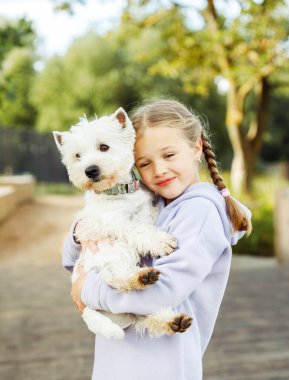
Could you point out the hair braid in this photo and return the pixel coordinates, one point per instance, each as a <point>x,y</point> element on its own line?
<point>239,220</point>
<point>212,164</point>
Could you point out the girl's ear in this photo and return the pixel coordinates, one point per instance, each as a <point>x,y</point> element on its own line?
<point>121,116</point>
<point>198,149</point>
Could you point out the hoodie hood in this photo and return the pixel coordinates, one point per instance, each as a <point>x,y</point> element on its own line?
<point>210,192</point>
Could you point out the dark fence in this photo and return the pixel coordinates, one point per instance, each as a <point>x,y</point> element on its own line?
<point>31,152</point>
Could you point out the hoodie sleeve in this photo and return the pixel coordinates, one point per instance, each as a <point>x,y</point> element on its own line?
<point>71,250</point>
<point>201,241</point>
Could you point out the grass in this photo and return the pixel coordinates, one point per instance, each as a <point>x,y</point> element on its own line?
<point>44,188</point>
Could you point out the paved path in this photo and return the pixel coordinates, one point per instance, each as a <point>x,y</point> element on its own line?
<point>251,339</point>
<point>43,338</point>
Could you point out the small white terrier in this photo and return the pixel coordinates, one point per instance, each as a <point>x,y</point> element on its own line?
<point>99,156</point>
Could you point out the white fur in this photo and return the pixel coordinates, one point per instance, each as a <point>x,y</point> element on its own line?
<point>122,224</point>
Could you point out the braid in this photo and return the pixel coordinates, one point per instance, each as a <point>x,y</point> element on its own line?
<point>212,164</point>
<point>239,220</point>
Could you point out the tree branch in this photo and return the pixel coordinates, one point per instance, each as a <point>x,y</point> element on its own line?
<point>252,82</point>
<point>211,16</point>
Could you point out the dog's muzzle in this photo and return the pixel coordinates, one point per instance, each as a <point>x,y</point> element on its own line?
<point>93,172</point>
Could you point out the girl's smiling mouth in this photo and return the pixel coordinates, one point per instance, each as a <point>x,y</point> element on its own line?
<point>165,181</point>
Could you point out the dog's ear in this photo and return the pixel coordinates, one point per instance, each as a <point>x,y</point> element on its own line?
<point>58,139</point>
<point>121,116</point>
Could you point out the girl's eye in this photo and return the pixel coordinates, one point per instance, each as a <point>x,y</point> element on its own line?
<point>144,165</point>
<point>103,147</point>
<point>77,155</point>
<point>169,155</point>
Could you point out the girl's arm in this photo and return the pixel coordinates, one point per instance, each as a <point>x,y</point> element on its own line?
<point>71,250</point>
<point>201,239</point>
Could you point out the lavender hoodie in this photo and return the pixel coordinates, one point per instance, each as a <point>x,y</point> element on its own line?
<point>192,281</point>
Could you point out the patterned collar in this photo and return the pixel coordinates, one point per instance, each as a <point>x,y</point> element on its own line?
<point>123,188</point>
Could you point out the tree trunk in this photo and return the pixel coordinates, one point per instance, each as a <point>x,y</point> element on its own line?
<point>245,147</point>
<point>234,121</point>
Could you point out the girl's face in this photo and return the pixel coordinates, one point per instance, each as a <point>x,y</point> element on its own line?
<point>166,161</point>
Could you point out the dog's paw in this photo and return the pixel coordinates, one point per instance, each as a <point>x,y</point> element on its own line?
<point>163,244</point>
<point>180,323</point>
<point>149,276</point>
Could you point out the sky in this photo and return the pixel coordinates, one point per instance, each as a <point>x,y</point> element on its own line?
<point>57,30</point>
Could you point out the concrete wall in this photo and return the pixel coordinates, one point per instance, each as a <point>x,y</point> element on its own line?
<point>14,190</point>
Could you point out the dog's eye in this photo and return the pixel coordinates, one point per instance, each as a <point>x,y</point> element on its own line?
<point>77,155</point>
<point>103,147</point>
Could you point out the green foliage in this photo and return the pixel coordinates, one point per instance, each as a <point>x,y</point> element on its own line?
<point>261,240</point>
<point>67,6</point>
<point>276,138</point>
<point>100,73</point>
<point>261,203</point>
<point>16,79</point>
<point>14,34</point>
<point>16,73</point>
<point>93,77</point>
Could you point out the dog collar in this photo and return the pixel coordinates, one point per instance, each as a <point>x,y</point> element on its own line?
<point>122,188</point>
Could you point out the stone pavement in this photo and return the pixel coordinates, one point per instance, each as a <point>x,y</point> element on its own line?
<point>251,339</point>
<point>43,338</point>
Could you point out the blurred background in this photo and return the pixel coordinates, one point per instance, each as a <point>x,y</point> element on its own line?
<point>228,61</point>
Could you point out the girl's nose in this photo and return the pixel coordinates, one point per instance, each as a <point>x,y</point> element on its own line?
<point>159,169</point>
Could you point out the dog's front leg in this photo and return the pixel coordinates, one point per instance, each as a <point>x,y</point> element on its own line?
<point>119,268</point>
<point>147,239</point>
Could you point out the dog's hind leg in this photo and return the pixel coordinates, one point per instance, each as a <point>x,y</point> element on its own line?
<point>101,324</point>
<point>164,322</point>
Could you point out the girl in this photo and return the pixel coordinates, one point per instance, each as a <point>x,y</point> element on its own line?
<point>205,220</point>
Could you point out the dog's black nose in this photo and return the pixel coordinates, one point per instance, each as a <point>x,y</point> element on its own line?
<point>92,172</point>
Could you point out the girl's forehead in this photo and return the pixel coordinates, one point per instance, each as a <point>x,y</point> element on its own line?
<point>156,139</point>
<point>159,134</point>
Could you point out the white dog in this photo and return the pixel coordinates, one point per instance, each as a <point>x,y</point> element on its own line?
<point>99,156</point>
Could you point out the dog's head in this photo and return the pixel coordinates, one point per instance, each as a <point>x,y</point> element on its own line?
<point>98,153</point>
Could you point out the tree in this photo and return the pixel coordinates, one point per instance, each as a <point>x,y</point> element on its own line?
<point>67,6</point>
<point>15,34</point>
<point>100,73</point>
<point>16,73</point>
<point>247,50</point>
<point>92,77</point>
<point>16,79</point>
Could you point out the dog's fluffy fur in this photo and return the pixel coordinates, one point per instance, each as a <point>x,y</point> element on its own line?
<point>122,224</point>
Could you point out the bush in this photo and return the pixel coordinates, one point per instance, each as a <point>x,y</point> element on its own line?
<point>261,240</point>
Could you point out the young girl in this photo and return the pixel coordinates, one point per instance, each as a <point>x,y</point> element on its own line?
<point>205,220</point>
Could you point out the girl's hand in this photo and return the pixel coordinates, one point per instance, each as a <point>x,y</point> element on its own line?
<point>76,289</point>
<point>77,286</point>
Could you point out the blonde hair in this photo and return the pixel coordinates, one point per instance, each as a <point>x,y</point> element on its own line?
<point>171,113</point>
